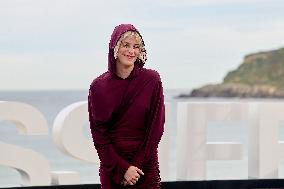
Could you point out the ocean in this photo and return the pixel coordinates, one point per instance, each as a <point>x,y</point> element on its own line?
<point>50,103</point>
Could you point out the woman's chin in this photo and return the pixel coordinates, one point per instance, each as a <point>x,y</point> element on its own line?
<point>128,63</point>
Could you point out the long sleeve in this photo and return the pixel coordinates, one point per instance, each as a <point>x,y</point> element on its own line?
<point>155,128</point>
<point>112,163</point>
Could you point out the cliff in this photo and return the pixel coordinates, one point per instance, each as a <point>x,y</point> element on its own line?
<point>260,75</point>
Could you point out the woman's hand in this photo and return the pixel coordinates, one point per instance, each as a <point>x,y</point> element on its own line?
<point>132,175</point>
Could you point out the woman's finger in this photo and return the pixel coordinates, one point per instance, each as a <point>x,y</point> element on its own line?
<point>137,175</point>
<point>140,171</point>
<point>131,182</point>
<point>125,183</point>
<point>135,179</point>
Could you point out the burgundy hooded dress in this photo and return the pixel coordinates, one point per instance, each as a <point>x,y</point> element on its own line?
<point>127,120</point>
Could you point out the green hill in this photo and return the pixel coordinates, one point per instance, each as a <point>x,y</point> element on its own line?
<point>260,75</point>
<point>263,68</point>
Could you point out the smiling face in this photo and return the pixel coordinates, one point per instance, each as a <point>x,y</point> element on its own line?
<point>128,51</point>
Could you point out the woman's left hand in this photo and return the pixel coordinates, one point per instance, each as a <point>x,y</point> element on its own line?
<point>132,175</point>
<point>131,182</point>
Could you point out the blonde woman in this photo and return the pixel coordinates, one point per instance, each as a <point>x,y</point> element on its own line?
<point>127,114</point>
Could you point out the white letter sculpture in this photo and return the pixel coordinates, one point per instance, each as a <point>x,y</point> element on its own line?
<point>192,149</point>
<point>69,138</point>
<point>29,121</point>
<point>265,150</point>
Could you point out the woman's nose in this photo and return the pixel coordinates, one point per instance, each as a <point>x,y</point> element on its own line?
<point>131,50</point>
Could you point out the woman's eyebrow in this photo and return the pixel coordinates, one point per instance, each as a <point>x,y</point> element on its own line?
<point>126,43</point>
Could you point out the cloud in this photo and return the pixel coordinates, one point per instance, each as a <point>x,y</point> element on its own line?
<point>63,44</point>
<point>49,71</point>
<point>198,3</point>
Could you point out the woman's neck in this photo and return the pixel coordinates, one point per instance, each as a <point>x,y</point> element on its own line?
<point>123,71</point>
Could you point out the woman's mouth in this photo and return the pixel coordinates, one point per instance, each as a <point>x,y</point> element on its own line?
<point>129,57</point>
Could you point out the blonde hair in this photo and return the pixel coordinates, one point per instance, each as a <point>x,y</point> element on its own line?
<point>142,55</point>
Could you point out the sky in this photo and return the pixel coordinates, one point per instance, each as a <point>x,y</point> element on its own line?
<point>63,44</point>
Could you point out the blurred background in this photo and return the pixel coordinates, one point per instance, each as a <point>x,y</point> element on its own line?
<point>63,44</point>
<point>51,50</point>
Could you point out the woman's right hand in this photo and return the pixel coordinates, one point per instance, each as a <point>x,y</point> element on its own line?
<point>132,175</point>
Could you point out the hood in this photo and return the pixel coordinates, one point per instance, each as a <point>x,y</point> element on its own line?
<point>116,34</point>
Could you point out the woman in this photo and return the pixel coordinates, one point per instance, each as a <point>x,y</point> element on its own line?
<point>127,114</point>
